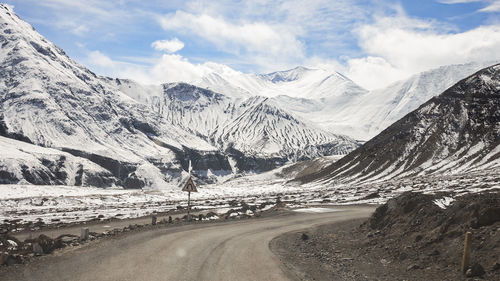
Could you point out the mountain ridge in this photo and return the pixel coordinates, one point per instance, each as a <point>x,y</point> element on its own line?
<point>454,132</point>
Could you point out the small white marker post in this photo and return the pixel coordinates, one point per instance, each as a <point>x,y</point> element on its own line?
<point>189,186</point>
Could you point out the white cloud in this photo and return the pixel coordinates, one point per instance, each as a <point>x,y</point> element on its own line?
<point>80,30</point>
<point>99,59</point>
<point>170,46</point>
<point>174,68</point>
<point>325,64</point>
<point>458,1</point>
<point>165,69</point>
<point>492,8</point>
<point>104,65</point>
<point>396,48</point>
<point>375,42</point>
<point>260,38</point>
<point>80,45</point>
<point>373,72</point>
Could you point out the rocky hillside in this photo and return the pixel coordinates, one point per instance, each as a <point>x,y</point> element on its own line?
<point>455,132</point>
<point>256,133</point>
<point>414,236</point>
<point>49,100</point>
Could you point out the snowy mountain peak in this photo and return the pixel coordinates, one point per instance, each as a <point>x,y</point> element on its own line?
<point>287,75</point>
<point>188,92</point>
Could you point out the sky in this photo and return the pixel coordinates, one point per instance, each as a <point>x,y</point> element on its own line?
<point>373,42</point>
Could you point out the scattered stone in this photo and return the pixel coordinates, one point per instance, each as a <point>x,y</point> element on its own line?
<point>13,244</point>
<point>67,238</point>
<point>48,245</point>
<point>475,270</point>
<point>304,237</point>
<point>37,249</point>
<point>413,267</point>
<point>384,262</point>
<point>434,253</point>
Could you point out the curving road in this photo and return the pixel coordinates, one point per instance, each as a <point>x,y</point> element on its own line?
<point>221,251</point>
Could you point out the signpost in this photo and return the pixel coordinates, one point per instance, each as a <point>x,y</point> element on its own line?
<point>189,187</point>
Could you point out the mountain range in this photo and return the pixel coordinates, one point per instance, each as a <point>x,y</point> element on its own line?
<point>63,124</point>
<point>50,101</point>
<point>334,102</point>
<point>455,132</point>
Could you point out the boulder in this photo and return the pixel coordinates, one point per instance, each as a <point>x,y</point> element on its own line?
<point>475,270</point>
<point>304,237</point>
<point>67,238</point>
<point>3,258</point>
<point>47,244</point>
<point>37,249</point>
<point>13,259</point>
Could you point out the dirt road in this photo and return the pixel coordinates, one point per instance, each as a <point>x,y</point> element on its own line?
<point>220,251</point>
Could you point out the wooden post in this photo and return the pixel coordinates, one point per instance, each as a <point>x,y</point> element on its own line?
<point>189,205</point>
<point>84,235</point>
<point>153,220</point>
<point>466,255</point>
<point>189,192</point>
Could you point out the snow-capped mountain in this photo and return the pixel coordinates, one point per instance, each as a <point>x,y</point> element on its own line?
<point>249,130</point>
<point>334,102</point>
<point>455,132</point>
<point>367,115</point>
<point>141,135</point>
<point>278,133</point>
<point>49,100</point>
<point>300,82</point>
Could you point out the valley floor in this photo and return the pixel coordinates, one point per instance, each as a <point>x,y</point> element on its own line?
<point>72,204</point>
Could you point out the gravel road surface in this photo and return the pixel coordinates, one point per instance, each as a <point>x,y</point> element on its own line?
<point>237,250</point>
